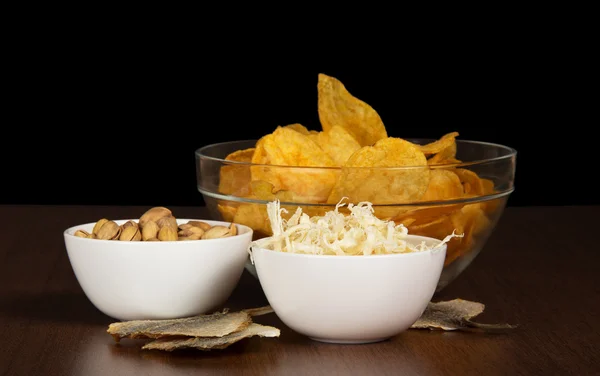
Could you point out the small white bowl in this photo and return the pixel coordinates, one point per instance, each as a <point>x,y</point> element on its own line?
<point>349,299</point>
<point>160,279</point>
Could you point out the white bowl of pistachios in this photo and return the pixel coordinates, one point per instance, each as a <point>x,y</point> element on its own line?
<point>157,266</point>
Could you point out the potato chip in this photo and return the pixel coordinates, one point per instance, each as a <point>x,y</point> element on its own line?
<point>288,147</point>
<point>338,143</point>
<point>234,178</point>
<point>244,155</point>
<point>255,217</point>
<point>472,221</point>
<point>361,180</point>
<point>227,210</point>
<point>445,156</point>
<point>336,106</point>
<point>262,190</point>
<point>471,182</point>
<point>490,206</point>
<point>298,128</point>
<point>488,186</point>
<point>443,185</point>
<point>437,146</point>
<point>425,214</point>
<point>439,228</point>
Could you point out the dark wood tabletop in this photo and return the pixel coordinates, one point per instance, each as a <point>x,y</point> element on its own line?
<point>539,270</point>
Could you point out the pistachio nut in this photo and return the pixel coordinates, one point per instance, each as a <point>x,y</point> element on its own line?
<point>154,214</point>
<point>191,231</point>
<point>233,229</point>
<point>130,233</point>
<point>167,221</point>
<point>129,223</point>
<point>203,225</point>
<point>191,237</point>
<point>82,234</point>
<point>98,225</point>
<point>167,233</point>
<point>109,230</point>
<point>149,230</point>
<point>216,232</point>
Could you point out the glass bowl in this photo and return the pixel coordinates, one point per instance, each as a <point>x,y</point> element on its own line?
<point>486,172</point>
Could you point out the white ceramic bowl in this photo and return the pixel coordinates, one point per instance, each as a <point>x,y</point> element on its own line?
<point>349,299</point>
<point>157,280</point>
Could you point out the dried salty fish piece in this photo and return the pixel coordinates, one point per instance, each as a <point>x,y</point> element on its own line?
<point>217,324</point>
<point>455,315</point>
<point>204,343</point>
<point>259,311</point>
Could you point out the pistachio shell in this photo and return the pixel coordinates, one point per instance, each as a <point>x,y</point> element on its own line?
<point>149,230</point>
<point>191,237</point>
<point>167,221</point>
<point>203,225</point>
<point>82,234</point>
<point>167,233</point>
<point>233,229</point>
<point>216,232</point>
<point>130,233</point>
<point>184,226</point>
<point>109,230</point>
<point>129,223</point>
<point>98,225</point>
<point>191,231</point>
<point>154,214</point>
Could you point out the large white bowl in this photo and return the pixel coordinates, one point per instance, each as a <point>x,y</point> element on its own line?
<point>349,299</point>
<point>157,280</point>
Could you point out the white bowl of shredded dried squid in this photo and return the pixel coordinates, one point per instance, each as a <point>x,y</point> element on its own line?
<point>346,278</point>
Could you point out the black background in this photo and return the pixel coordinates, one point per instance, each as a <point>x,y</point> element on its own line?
<point>116,126</point>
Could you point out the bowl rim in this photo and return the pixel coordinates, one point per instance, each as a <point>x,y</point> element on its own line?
<point>247,231</point>
<point>442,249</point>
<point>510,153</point>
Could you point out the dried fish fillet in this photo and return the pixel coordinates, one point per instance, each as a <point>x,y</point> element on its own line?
<point>259,311</point>
<point>217,324</point>
<point>204,343</point>
<point>455,315</point>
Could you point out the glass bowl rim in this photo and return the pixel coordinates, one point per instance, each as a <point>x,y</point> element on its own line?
<point>510,153</point>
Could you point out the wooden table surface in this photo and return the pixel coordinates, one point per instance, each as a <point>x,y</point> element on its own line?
<point>539,270</point>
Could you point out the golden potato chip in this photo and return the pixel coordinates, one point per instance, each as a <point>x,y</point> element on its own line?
<point>488,186</point>
<point>234,178</point>
<point>244,155</point>
<point>443,185</point>
<point>336,106</point>
<point>298,128</point>
<point>445,156</point>
<point>475,219</point>
<point>227,210</point>
<point>471,182</point>
<point>262,190</point>
<point>287,147</point>
<point>424,214</point>
<point>338,143</point>
<point>254,216</point>
<point>439,228</point>
<point>472,221</point>
<point>361,180</point>
<point>437,146</point>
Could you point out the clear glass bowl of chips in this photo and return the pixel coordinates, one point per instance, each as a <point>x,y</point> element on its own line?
<point>463,188</point>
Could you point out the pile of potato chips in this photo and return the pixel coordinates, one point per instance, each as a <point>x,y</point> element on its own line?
<point>353,157</point>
